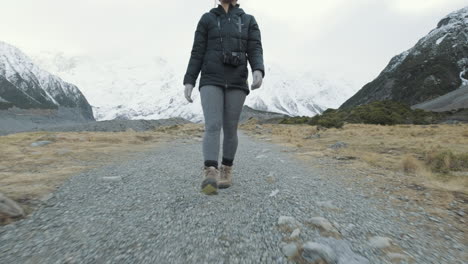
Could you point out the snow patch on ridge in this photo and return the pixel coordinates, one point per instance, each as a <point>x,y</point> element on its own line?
<point>451,23</point>
<point>13,62</point>
<point>464,81</point>
<point>397,60</point>
<point>455,19</point>
<point>441,39</point>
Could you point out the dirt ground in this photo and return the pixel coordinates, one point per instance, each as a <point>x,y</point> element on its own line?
<point>29,174</point>
<point>391,157</point>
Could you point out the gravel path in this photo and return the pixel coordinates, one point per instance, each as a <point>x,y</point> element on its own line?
<point>150,210</point>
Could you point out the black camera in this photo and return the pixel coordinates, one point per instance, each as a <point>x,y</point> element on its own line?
<point>232,58</point>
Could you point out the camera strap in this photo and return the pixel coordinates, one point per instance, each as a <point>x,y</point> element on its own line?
<point>219,31</point>
<point>240,33</point>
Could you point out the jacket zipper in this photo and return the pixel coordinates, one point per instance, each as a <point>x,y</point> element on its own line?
<point>224,71</point>
<point>225,80</point>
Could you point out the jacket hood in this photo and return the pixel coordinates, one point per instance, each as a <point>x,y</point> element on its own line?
<point>233,9</point>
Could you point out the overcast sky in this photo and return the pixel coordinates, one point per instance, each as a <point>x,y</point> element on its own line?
<point>354,38</point>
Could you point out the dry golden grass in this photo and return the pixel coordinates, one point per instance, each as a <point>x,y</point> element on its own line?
<point>405,148</point>
<point>30,173</point>
<point>411,164</point>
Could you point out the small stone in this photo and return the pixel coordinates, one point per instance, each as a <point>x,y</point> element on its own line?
<point>315,252</point>
<point>312,136</point>
<point>461,213</point>
<point>339,145</point>
<point>63,151</point>
<point>290,250</point>
<point>112,178</point>
<point>397,256</point>
<point>46,197</point>
<point>379,242</point>
<point>345,158</point>
<point>323,224</point>
<point>274,193</point>
<point>288,220</point>
<point>295,233</point>
<point>327,204</point>
<point>9,207</point>
<point>40,143</point>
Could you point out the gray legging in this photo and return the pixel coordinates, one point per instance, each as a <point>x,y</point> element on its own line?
<point>221,109</point>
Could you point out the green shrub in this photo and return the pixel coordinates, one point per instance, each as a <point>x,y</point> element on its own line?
<point>331,122</point>
<point>295,120</point>
<point>446,161</point>
<point>5,105</point>
<point>378,112</point>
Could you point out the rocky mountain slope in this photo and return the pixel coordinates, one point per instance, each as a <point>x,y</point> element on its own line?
<point>25,85</point>
<point>453,100</point>
<point>435,66</point>
<point>248,113</point>
<point>131,87</point>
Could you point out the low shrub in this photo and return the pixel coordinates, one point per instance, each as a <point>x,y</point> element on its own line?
<point>5,105</point>
<point>446,161</point>
<point>378,113</point>
<point>296,120</point>
<point>410,164</point>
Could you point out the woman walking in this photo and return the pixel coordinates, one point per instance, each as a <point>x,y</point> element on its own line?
<point>225,39</point>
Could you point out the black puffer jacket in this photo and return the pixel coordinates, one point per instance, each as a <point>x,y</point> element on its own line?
<point>237,31</point>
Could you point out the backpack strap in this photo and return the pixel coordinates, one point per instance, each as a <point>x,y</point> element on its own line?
<point>240,32</point>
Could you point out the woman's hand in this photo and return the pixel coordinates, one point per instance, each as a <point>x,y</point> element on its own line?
<point>188,92</point>
<point>257,80</point>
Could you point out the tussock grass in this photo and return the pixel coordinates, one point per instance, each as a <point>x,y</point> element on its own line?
<point>379,112</point>
<point>411,164</point>
<point>28,173</point>
<point>436,152</point>
<point>465,133</point>
<point>445,161</point>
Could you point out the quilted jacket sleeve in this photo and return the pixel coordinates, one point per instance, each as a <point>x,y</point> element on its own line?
<point>254,47</point>
<point>198,52</point>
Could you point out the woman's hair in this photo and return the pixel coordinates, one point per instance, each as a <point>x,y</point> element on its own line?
<point>230,1</point>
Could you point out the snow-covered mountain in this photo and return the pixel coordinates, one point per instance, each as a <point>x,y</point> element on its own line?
<point>299,94</point>
<point>25,85</point>
<point>130,87</point>
<point>435,66</point>
<point>125,87</point>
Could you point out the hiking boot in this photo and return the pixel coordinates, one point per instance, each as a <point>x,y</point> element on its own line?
<point>210,183</point>
<point>225,177</point>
